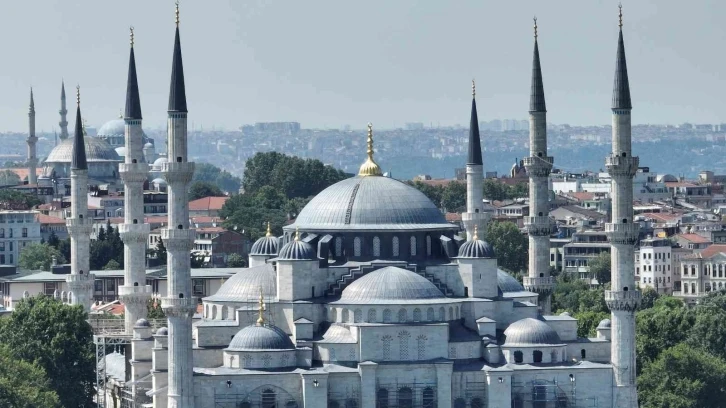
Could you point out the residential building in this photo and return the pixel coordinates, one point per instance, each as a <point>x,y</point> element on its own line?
<point>654,265</point>
<point>18,229</point>
<point>585,246</point>
<point>208,206</point>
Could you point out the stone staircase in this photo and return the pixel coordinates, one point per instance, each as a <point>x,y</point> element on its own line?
<point>335,289</point>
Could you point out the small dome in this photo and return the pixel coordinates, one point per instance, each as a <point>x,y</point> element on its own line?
<point>476,248</point>
<point>604,324</point>
<point>142,323</point>
<point>508,283</point>
<point>160,161</point>
<point>114,128</point>
<point>260,338</point>
<point>266,245</point>
<point>160,181</point>
<point>530,332</point>
<point>163,331</point>
<point>390,285</point>
<point>148,145</point>
<point>244,286</point>
<point>297,250</point>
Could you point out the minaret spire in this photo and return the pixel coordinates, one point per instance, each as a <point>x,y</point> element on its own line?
<point>536,96</point>
<point>32,140</point>
<point>177,91</point>
<point>621,85</point>
<point>133,102</point>
<point>474,138</point>
<point>474,218</point>
<point>63,112</point>
<point>78,160</point>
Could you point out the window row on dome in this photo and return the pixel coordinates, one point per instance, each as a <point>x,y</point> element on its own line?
<point>384,246</point>
<point>386,315</point>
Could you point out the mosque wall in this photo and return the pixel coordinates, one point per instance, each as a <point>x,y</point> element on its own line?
<point>593,351</point>
<point>209,391</point>
<point>591,385</point>
<point>566,327</point>
<point>403,343</point>
<point>465,350</point>
<point>207,358</point>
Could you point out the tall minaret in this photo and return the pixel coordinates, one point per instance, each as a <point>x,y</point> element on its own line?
<point>80,281</point>
<point>134,293</point>
<point>623,298</point>
<point>32,158</point>
<point>179,305</point>
<point>538,166</point>
<point>63,112</point>
<point>474,217</point>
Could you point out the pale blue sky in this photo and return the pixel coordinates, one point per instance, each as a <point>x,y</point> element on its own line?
<point>335,62</point>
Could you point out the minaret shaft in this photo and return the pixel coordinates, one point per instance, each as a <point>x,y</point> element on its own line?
<point>63,114</point>
<point>474,218</point>
<point>32,140</point>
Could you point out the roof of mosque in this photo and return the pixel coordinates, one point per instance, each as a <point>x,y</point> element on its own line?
<point>530,332</point>
<point>508,283</point>
<point>97,150</point>
<point>244,286</point>
<point>391,285</point>
<point>260,337</point>
<point>476,248</point>
<point>297,250</point>
<point>266,245</point>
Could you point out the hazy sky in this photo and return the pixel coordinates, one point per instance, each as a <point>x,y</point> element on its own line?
<point>336,62</point>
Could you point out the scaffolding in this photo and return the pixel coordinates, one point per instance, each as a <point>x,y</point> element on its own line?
<point>266,396</point>
<point>104,343</point>
<point>346,399</point>
<point>406,395</point>
<point>542,393</point>
<point>473,394</point>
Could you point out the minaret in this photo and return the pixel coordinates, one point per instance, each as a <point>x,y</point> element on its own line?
<point>63,112</point>
<point>179,305</point>
<point>80,281</point>
<point>474,217</point>
<point>32,158</point>
<point>538,166</point>
<point>134,293</point>
<point>623,298</point>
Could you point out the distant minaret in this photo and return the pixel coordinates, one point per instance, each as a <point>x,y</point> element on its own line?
<point>80,281</point>
<point>134,293</point>
<point>179,305</point>
<point>32,158</point>
<point>63,112</point>
<point>623,298</point>
<point>474,217</point>
<point>538,166</point>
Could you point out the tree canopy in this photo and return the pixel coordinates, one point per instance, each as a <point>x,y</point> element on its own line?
<point>600,268</point>
<point>235,261</point>
<point>39,257</point>
<point>9,178</point>
<point>201,189</point>
<point>214,175</point>
<point>106,248</point>
<point>57,338</point>
<point>496,190</point>
<point>24,384</point>
<point>15,200</point>
<point>510,245</point>
<point>450,197</point>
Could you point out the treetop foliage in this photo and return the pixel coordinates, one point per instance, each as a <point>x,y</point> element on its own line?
<point>212,174</point>
<point>15,200</point>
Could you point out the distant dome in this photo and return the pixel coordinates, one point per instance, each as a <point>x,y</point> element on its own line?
<point>162,332</point>
<point>160,161</point>
<point>244,286</point>
<point>390,285</point>
<point>121,151</point>
<point>297,250</point>
<point>476,248</point>
<point>148,145</point>
<point>97,150</point>
<point>114,128</point>
<point>160,181</point>
<point>507,283</point>
<point>530,332</point>
<point>142,323</point>
<point>265,246</point>
<point>604,324</point>
<point>253,338</point>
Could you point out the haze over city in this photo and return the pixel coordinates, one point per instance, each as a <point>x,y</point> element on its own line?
<point>330,64</point>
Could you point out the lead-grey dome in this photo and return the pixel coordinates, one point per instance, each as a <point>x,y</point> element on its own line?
<point>507,283</point>
<point>604,324</point>
<point>97,150</point>
<point>530,332</point>
<point>390,285</point>
<point>476,248</point>
<point>370,203</point>
<point>163,331</point>
<point>114,128</point>
<point>142,323</point>
<point>253,338</point>
<point>297,250</point>
<point>244,286</point>
<point>264,246</point>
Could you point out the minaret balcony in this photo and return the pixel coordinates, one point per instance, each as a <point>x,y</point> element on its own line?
<point>137,233</point>
<point>538,225</point>
<point>179,307</point>
<point>78,227</point>
<point>543,284</point>
<point>538,166</point>
<point>32,139</point>
<point>134,294</point>
<point>619,166</point>
<point>178,240</point>
<point>625,234</point>
<point>178,172</point>
<point>627,300</point>
<point>78,283</point>
<point>133,172</point>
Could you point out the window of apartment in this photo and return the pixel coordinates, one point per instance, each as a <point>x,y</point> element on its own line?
<point>10,232</point>
<point>98,286</point>
<point>2,246</point>
<point>198,287</point>
<point>110,285</point>
<point>25,233</point>
<point>2,232</point>
<point>2,259</point>
<point>49,288</point>
<point>10,245</point>
<point>11,260</point>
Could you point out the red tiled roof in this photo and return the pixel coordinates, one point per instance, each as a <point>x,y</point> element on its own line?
<point>49,219</point>
<point>207,203</point>
<point>203,219</point>
<point>210,229</point>
<point>712,250</point>
<point>582,196</point>
<point>679,184</point>
<point>23,172</point>
<point>695,238</point>
<point>453,217</point>
<point>662,217</point>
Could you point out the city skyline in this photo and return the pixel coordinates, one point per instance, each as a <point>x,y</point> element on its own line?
<point>389,65</point>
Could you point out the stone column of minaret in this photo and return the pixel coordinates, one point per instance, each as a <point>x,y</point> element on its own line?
<point>538,166</point>
<point>623,298</point>
<point>80,281</point>
<point>63,112</point>
<point>474,217</point>
<point>134,293</point>
<point>178,305</point>
<point>32,139</point>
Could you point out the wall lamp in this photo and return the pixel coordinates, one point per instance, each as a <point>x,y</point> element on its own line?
<point>572,378</point>
<point>501,380</point>
<point>316,383</point>
<point>229,384</point>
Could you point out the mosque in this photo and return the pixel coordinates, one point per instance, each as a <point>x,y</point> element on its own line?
<point>370,299</point>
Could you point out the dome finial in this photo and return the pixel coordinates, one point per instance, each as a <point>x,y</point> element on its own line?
<point>473,88</point>
<point>120,113</point>
<point>535,27</point>
<point>370,167</point>
<point>78,95</point>
<point>176,14</point>
<point>261,309</point>
<point>620,15</point>
<point>131,35</point>
<point>476,233</point>
<point>269,232</point>
<point>297,234</point>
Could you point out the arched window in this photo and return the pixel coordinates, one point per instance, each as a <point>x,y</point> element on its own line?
<point>402,316</point>
<point>214,312</point>
<point>428,245</point>
<point>387,316</point>
<point>394,247</point>
<point>372,315</point>
<point>283,359</point>
<point>693,288</point>
<point>357,316</point>
<point>429,398</point>
<point>248,361</point>
<point>382,398</point>
<point>452,352</point>
<point>421,347</point>
<point>442,314</point>
<point>376,246</point>
<point>403,338</point>
<point>344,316</point>
<point>537,356</point>
<point>405,398</point>
<point>413,246</point>
<point>269,399</point>
<point>224,313</point>
<point>518,356</point>
<point>553,356</point>
<point>333,315</point>
<point>206,311</point>
<point>339,246</point>
<point>266,360</point>
<point>451,313</point>
<point>416,315</point>
<point>386,340</point>
<point>583,354</point>
<point>356,246</point>
<point>430,314</point>
<point>460,403</point>
<point>477,403</point>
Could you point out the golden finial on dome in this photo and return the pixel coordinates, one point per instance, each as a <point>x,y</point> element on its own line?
<point>261,309</point>
<point>78,95</point>
<point>370,167</point>
<point>535,27</point>
<point>297,234</point>
<point>269,231</point>
<point>176,14</point>
<point>620,15</point>
<point>473,88</point>
<point>120,113</point>
<point>131,29</point>
<point>476,233</point>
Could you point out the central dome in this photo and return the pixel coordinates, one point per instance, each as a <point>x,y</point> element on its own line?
<point>370,203</point>
<point>390,285</point>
<point>260,338</point>
<point>97,150</point>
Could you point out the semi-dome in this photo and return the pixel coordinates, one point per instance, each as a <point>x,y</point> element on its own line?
<point>476,248</point>
<point>530,332</point>
<point>260,337</point>
<point>508,283</point>
<point>370,203</point>
<point>97,150</point>
<point>244,286</point>
<point>604,324</point>
<point>266,245</point>
<point>297,250</point>
<point>390,285</point>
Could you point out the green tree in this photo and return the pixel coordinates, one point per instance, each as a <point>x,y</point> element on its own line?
<point>112,265</point>
<point>648,299</point>
<point>510,245</point>
<point>39,257</point>
<point>24,384</point>
<point>56,337</point>
<point>53,240</point>
<point>661,327</point>
<point>154,310</point>
<point>600,268</point>
<point>235,261</point>
<point>454,197</point>
<point>101,236</point>
<point>587,322</point>
<point>161,252</point>
<point>15,200</point>
<point>201,189</point>
<point>209,173</point>
<point>494,190</point>
<point>9,178</point>
<point>683,377</point>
